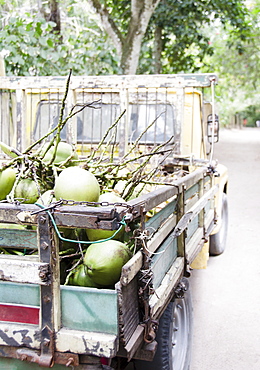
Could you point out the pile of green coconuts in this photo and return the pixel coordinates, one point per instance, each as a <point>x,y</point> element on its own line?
<point>54,173</point>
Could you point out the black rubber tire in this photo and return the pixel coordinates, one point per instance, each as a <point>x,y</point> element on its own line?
<point>173,337</point>
<point>218,241</point>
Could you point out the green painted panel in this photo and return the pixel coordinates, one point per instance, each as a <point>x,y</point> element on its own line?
<point>89,309</point>
<point>155,221</point>
<point>11,364</point>
<point>192,227</point>
<point>82,308</point>
<point>161,262</point>
<point>18,238</point>
<point>27,294</point>
<point>191,191</point>
<point>207,207</point>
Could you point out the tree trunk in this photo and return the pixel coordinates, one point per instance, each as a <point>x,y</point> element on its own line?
<point>157,50</point>
<point>128,47</point>
<point>55,14</point>
<point>141,12</point>
<point>52,15</point>
<point>108,24</point>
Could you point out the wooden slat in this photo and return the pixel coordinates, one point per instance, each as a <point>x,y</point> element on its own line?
<point>162,294</point>
<point>195,244</point>
<point>89,309</point>
<point>20,294</point>
<point>163,258</point>
<point>11,335</point>
<point>19,239</point>
<point>23,271</point>
<point>209,218</point>
<point>131,268</point>
<point>64,215</point>
<point>134,342</point>
<point>153,223</point>
<point>115,82</point>
<point>89,343</point>
<point>128,309</point>
<point>76,341</point>
<point>194,211</point>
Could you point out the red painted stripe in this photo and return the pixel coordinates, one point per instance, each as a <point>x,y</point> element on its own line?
<point>21,314</point>
<point>104,361</point>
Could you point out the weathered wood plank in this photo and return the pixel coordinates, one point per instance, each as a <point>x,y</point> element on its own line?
<point>24,294</point>
<point>135,342</point>
<point>128,309</point>
<point>195,244</point>
<point>59,82</point>
<point>131,268</point>
<point>157,220</point>
<point>89,343</point>
<point>75,341</point>
<point>20,239</point>
<point>162,294</point>
<point>23,271</point>
<point>163,258</point>
<point>18,335</point>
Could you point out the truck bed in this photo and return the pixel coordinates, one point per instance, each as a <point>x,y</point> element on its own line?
<point>44,321</point>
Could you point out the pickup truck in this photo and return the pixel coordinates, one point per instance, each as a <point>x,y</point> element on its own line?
<point>144,321</point>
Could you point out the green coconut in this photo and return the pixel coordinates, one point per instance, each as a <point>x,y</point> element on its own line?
<point>7,179</point>
<point>27,190</point>
<point>63,153</point>
<point>99,234</point>
<point>104,261</point>
<point>75,183</point>
<point>47,198</point>
<point>80,277</point>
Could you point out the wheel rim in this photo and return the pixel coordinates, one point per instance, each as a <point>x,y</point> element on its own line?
<point>180,334</point>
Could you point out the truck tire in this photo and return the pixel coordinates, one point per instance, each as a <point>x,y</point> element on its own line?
<point>217,242</point>
<point>173,337</point>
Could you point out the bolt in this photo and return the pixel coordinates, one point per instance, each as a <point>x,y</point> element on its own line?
<point>45,245</point>
<point>23,357</point>
<point>42,275</point>
<point>42,219</point>
<point>70,362</point>
<point>46,342</point>
<point>46,299</point>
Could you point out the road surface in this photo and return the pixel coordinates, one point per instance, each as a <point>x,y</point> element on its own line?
<point>226,295</point>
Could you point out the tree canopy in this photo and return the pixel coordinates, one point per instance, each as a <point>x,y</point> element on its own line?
<point>146,36</point>
<point>171,32</point>
<point>119,36</point>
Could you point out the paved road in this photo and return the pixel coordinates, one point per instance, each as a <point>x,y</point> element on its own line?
<point>227,294</point>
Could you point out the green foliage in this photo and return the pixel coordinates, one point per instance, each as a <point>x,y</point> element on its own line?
<point>236,60</point>
<point>31,47</point>
<point>251,114</point>
<point>184,42</point>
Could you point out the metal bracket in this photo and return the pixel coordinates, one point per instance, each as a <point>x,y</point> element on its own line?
<point>47,347</point>
<point>181,288</point>
<point>29,355</point>
<point>48,320</point>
